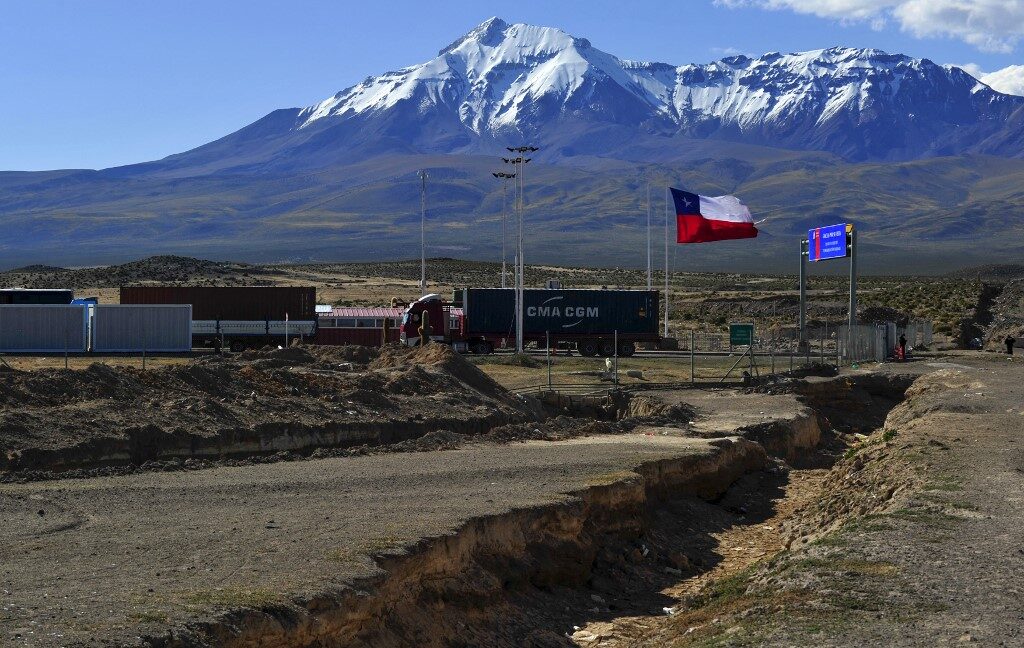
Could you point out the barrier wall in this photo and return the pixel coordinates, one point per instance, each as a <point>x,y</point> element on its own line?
<point>130,328</point>
<point>43,328</point>
<point>866,344</point>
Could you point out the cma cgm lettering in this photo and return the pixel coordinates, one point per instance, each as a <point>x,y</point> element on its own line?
<point>562,311</point>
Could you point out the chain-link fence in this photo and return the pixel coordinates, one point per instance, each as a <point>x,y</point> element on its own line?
<point>706,358</point>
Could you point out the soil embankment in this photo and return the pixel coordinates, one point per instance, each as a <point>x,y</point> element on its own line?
<point>912,539</point>
<point>261,403</point>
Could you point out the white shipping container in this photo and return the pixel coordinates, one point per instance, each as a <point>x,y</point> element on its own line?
<point>133,328</point>
<point>254,327</point>
<point>43,328</point>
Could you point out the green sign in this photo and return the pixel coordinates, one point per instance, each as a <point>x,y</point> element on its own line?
<point>741,334</point>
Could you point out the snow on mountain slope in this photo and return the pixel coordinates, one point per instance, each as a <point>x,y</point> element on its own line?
<point>862,103</point>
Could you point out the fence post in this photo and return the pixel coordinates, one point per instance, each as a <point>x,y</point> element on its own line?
<point>547,349</point>
<point>693,378</point>
<point>615,339</point>
<point>839,357</point>
<point>66,342</point>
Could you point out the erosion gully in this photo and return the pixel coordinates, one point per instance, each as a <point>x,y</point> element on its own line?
<point>604,569</point>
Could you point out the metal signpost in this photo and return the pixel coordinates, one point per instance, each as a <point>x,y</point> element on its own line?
<point>824,243</point>
<point>741,335</point>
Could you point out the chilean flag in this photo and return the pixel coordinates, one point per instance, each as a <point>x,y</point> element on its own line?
<point>700,219</point>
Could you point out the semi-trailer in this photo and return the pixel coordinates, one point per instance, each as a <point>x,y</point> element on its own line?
<point>592,321</point>
<point>24,296</point>
<point>237,317</point>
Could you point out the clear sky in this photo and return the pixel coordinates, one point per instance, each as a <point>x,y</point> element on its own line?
<point>99,83</point>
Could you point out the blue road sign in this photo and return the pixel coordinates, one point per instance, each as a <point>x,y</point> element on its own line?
<point>827,242</point>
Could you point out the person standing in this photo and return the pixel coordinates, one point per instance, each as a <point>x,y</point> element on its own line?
<point>1009,341</point>
<point>903,347</point>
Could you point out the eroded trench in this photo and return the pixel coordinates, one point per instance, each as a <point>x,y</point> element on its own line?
<point>601,568</point>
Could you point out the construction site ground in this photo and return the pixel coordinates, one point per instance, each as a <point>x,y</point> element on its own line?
<point>821,511</point>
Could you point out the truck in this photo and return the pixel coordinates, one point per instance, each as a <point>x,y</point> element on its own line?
<point>237,317</point>
<point>591,321</point>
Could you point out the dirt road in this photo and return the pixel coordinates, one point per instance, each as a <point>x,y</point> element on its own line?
<point>116,558</point>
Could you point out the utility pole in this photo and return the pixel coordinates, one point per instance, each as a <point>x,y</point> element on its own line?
<point>520,163</point>
<point>665,334</point>
<point>802,321</point>
<point>649,275</point>
<point>505,177</point>
<point>423,232</point>
<point>852,233</point>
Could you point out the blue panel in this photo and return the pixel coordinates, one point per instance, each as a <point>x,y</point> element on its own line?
<point>827,242</point>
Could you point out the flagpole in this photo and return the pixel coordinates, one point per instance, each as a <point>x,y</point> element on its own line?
<point>665,334</point>
<point>649,283</point>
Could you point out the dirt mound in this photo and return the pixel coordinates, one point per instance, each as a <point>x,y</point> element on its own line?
<point>261,402</point>
<point>441,358</point>
<point>360,355</point>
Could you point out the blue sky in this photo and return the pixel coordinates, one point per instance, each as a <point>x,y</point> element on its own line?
<point>108,82</point>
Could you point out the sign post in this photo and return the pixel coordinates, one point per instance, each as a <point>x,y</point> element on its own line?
<point>741,335</point>
<point>824,243</point>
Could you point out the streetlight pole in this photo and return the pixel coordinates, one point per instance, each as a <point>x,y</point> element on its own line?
<point>521,265</point>
<point>504,197</point>
<point>423,232</point>
<point>649,282</point>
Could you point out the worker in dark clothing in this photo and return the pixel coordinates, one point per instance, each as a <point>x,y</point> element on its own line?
<point>1010,340</point>
<point>903,347</point>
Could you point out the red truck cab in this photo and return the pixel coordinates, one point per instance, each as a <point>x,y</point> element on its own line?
<point>445,322</point>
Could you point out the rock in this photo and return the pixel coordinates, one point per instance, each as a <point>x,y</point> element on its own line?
<point>680,560</point>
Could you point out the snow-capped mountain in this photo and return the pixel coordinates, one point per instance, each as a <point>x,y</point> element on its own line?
<point>785,131</point>
<point>503,82</point>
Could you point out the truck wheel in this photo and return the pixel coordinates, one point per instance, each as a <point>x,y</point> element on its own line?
<point>237,346</point>
<point>607,348</point>
<point>587,348</point>
<point>626,349</point>
<point>483,348</point>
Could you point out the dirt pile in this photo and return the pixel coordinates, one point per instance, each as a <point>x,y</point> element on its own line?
<point>263,402</point>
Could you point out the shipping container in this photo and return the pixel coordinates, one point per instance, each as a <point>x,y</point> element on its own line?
<point>230,303</point>
<point>562,313</point>
<point>43,328</point>
<point>595,322</point>
<point>36,296</point>
<point>164,328</point>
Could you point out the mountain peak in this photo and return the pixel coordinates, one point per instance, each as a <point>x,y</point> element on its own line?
<point>490,32</point>
<point>502,78</point>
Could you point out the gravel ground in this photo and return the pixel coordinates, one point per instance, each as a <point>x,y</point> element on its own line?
<point>917,538</point>
<point>109,558</point>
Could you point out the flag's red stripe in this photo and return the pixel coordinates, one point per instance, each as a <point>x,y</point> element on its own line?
<point>697,229</point>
